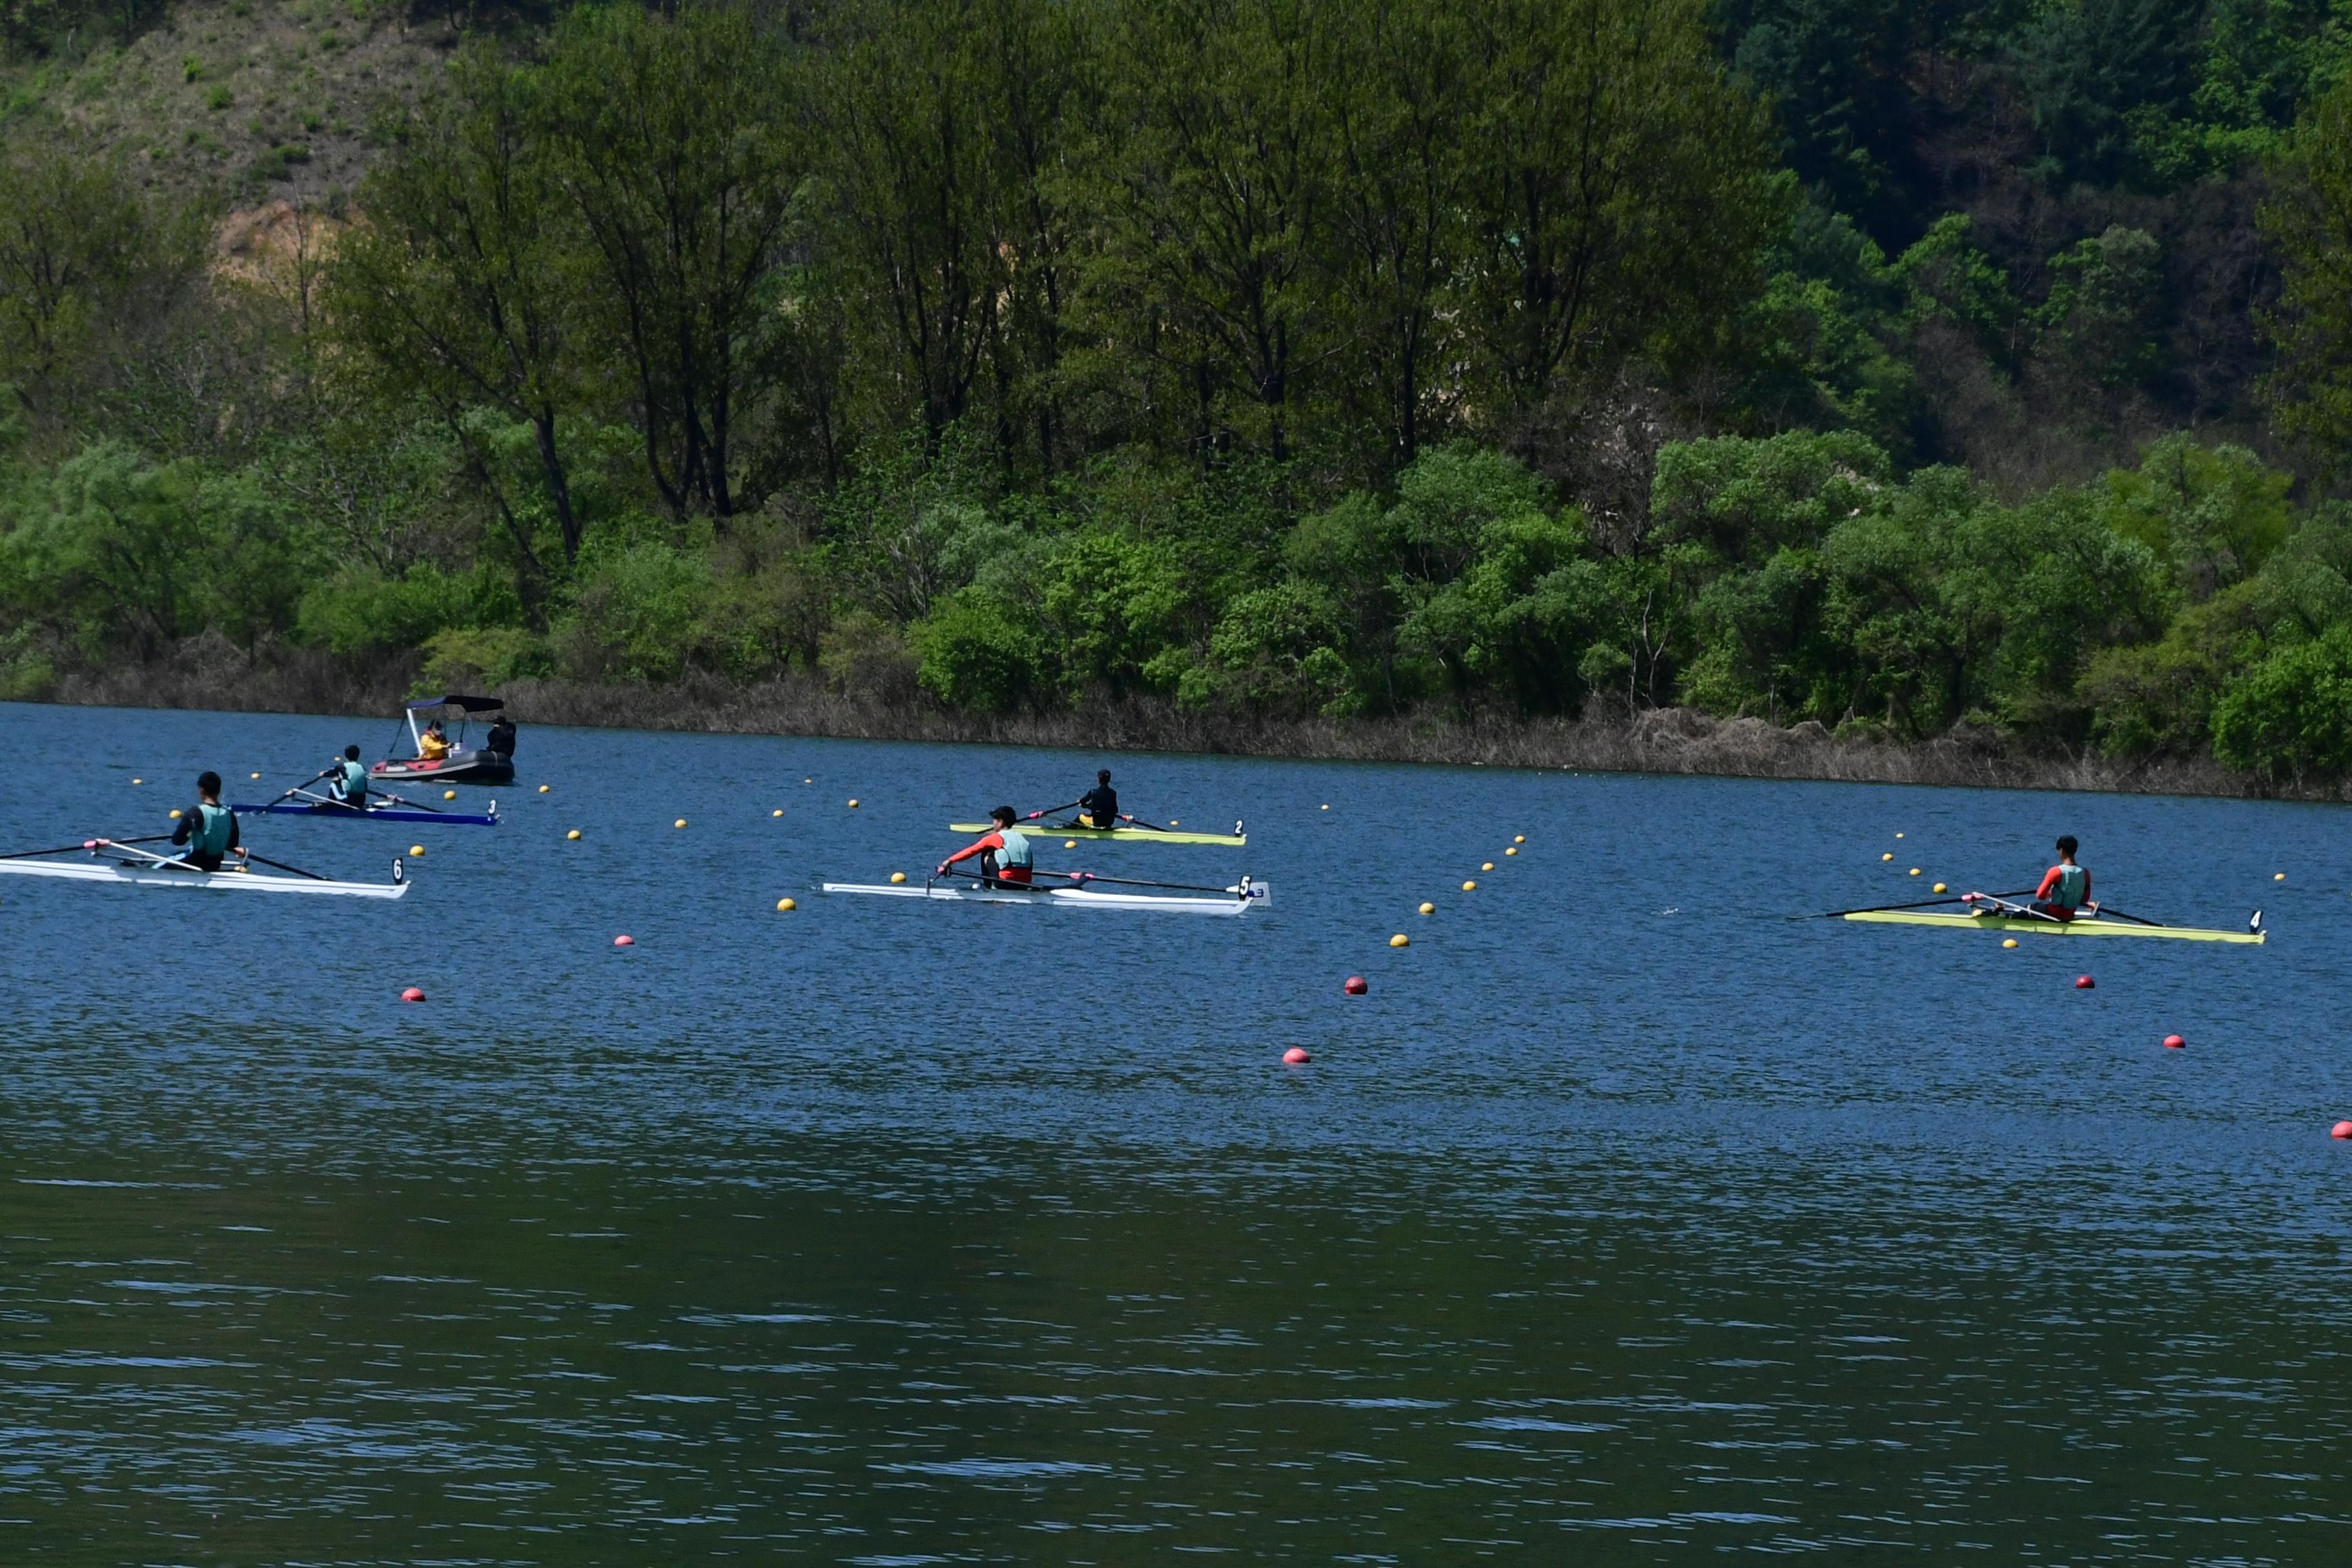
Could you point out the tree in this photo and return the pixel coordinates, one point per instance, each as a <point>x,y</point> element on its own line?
<point>1211,165</point>
<point>1618,195</point>
<point>2308,223</point>
<point>465,288</point>
<point>676,144</point>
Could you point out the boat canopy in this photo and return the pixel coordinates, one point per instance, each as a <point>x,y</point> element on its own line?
<point>470,704</point>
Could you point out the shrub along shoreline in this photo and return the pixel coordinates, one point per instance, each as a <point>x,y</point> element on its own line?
<point>1668,740</point>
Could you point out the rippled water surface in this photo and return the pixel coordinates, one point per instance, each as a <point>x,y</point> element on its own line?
<point>1622,1222</point>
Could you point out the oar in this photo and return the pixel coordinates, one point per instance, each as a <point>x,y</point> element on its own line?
<point>282,865</point>
<point>399,800</point>
<point>2106,909</point>
<point>1888,909</point>
<point>298,789</point>
<point>85,844</point>
<point>1081,878</point>
<point>1049,811</point>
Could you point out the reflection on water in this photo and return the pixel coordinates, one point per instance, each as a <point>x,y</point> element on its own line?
<point>1622,1218</point>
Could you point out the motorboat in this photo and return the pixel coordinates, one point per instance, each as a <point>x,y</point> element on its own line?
<point>475,765</point>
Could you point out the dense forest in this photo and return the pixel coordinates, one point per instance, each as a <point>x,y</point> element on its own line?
<point>1894,366</point>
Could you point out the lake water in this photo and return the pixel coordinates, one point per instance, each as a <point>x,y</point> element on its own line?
<point>1623,1221</point>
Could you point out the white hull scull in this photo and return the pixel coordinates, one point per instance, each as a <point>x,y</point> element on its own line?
<point>1242,898</point>
<point>157,872</point>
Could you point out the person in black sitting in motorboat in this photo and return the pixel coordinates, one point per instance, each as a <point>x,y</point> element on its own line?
<point>209,830</point>
<point>501,738</point>
<point>350,784</point>
<point>1098,807</point>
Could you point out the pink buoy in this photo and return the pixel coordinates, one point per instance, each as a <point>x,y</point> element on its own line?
<point>414,994</point>
<point>2174,1042</point>
<point>2084,983</point>
<point>1295,1056</point>
<point>1357,985</point>
<point>2341,1130</point>
<point>625,941</point>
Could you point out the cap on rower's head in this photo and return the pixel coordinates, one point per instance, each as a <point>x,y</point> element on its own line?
<point>1103,776</point>
<point>1005,816</point>
<point>350,754</point>
<point>2066,845</point>
<point>208,783</point>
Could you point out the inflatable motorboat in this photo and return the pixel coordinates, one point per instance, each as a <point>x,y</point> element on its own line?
<point>490,762</point>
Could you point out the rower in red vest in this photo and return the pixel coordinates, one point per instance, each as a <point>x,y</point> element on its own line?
<point>1005,856</point>
<point>2065,890</point>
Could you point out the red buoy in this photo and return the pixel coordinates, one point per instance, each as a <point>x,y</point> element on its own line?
<point>414,994</point>
<point>2084,983</point>
<point>1295,1056</point>
<point>2341,1130</point>
<point>2174,1042</point>
<point>625,941</point>
<point>1357,985</point>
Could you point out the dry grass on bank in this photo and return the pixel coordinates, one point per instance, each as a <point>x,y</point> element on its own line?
<point>1666,740</point>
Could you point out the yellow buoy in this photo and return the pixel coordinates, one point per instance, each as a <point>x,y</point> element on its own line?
<point>2280,877</point>
<point>257,775</point>
<point>2008,941</point>
<point>1399,940</point>
<point>138,780</point>
<point>1327,805</point>
<point>1429,909</point>
<point>175,814</point>
<point>853,803</point>
<point>445,795</point>
<point>542,789</point>
<point>1512,850</point>
<point>896,878</point>
<point>573,834</point>
<point>776,812</point>
<point>1485,864</point>
<point>1940,887</point>
<point>679,823</point>
<point>1171,822</point>
<point>1914,870</point>
<point>1888,856</point>
<point>786,904</point>
<point>1898,836</point>
<point>417,851</point>
<point>1469,886</point>
<point>1519,839</point>
<point>1069,844</point>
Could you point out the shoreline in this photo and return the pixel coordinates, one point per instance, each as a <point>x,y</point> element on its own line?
<point>1671,740</point>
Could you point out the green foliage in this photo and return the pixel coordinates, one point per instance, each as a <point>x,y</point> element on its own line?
<point>2289,719</point>
<point>980,653</point>
<point>638,613</point>
<point>2216,513</point>
<point>2103,313</point>
<point>473,659</point>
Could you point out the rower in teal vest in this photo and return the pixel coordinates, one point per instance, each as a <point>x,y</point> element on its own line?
<point>2065,890</point>
<point>351,780</point>
<point>1006,858</point>
<point>209,830</point>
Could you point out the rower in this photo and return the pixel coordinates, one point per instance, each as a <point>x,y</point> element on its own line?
<point>209,831</point>
<point>350,784</point>
<point>1098,807</point>
<point>2065,888</point>
<point>1005,857</point>
<point>433,746</point>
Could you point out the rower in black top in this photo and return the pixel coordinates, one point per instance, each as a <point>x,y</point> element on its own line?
<point>1098,807</point>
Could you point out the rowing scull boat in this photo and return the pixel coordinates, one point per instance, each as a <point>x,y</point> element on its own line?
<point>1131,834</point>
<point>1241,899</point>
<point>311,805</point>
<point>160,871</point>
<point>2081,925</point>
